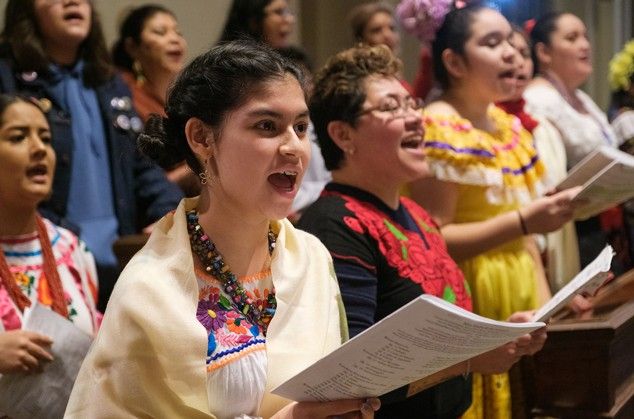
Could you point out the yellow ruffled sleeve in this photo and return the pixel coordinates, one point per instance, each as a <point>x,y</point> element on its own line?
<point>505,161</point>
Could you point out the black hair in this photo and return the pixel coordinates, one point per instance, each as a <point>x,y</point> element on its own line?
<point>622,99</point>
<point>453,34</point>
<point>132,27</point>
<point>298,56</point>
<point>6,100</point>
<point>211,86</point>
<point>22,39</point>
<point>541,32</point>
<point>245,20</point>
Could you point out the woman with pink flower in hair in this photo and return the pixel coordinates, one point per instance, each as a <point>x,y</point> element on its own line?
<point>487,179</point>
<point>422,18</point>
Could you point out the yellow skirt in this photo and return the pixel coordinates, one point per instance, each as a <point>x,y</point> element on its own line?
<point>502,281</point>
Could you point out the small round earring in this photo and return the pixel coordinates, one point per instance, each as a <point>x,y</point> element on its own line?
<point>350,151</point>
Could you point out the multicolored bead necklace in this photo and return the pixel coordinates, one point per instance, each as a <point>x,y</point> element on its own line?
<point>215,265</point>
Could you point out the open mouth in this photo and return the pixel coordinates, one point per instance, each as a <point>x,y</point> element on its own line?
<point>175,54</point>
<point>73,15</point>
<point>412,142</point>
<point>284,180</point>
<point>38,172</point>
<point>509,74</point>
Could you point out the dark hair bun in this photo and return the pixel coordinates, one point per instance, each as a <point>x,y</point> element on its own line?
<point>155,143</point>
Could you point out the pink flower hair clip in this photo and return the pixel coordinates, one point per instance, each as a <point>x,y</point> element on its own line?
<point>423,18</point>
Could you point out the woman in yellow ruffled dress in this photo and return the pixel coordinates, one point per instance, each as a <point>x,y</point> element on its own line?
<point>488,180</point>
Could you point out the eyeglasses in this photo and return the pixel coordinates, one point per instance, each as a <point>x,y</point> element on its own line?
<point>396,107</point>
<point>280,11</point>
<point>53,2</point>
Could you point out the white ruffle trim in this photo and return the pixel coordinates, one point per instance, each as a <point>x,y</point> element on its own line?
<point>477,176</point>
<point>497,192</point>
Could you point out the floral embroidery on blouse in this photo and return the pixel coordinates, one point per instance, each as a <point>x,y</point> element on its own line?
<point>422,258</point>
<point>75,266</point>
<point>230,334</point>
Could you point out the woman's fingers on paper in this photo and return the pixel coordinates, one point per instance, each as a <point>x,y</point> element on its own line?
<point>523,341</point>
<point>29,362</point>
<point>343,408</point>
<point>39,351</point>
<point>39,338</point>
<point>520,316</point>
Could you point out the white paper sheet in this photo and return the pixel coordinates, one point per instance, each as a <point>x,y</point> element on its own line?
<point>423,337</point>
<point>607,177</point>
<point>588,280</point>
<point>45,395</point>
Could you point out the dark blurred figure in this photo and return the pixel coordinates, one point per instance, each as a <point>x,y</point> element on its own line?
<point>269,21</point>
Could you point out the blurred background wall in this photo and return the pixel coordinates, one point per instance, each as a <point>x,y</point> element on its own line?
<point>322,26</point>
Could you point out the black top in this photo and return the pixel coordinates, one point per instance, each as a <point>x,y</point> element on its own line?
<point>383,259</point>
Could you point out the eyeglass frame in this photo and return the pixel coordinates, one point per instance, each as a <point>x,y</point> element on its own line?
<point>54,2</point>
<point>414,103</point>
<point>280,12</point>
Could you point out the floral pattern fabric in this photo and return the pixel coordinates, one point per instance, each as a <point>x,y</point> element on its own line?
<point>229,331</point>
<point>384,258</point>
<point>236,349</point>
<point>77,272</point>
<point>419,256</point>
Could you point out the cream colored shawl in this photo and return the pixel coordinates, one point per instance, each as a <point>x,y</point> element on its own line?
<point>148,359</point>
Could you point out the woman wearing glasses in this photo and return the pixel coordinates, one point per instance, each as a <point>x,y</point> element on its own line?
<point>486,179</point>
<point>387,250</point>
<point>269,21</point>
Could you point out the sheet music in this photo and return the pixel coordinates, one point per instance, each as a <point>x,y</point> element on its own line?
<point>45,395</point>
<point>421,338</point>
<point>607,176</point>
<point>589,280</point>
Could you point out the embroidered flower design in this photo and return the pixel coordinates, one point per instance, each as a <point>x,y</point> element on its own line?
<point>231,339</point>
<point>210,313</point>
<point>24,281</point>
<point>237,323</point>
<point>422,259</point>
<point>354,224</point>
<point>211,344</point>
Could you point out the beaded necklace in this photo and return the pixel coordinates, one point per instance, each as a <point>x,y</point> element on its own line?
<point>215,265</point>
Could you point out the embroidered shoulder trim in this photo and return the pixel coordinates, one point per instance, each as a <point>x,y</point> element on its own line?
<point>227,357</point>
<point>505,161</point>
